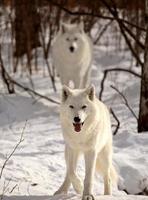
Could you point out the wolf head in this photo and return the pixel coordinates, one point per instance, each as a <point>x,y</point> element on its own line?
<point>77,106</point>
<point>72,36</point>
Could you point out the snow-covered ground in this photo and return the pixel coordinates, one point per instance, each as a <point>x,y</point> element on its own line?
<point>75,197</point>
<point>37,167</point>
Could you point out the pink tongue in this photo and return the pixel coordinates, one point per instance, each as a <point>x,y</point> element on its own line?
<point>77,127</point>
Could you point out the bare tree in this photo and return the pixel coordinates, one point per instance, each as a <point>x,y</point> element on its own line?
<point>26,26</point>
<point>143,111</point>
<point>6,185</point>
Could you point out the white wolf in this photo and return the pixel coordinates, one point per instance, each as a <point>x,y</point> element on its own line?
<point>72,55</point>
<point>86,129</point>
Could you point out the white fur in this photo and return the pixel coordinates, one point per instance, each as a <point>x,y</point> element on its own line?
<point>94,140</point>
<point>72,66</point>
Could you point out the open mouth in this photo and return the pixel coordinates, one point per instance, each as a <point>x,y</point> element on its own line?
<point>78,126</point>
<point>71,49</point>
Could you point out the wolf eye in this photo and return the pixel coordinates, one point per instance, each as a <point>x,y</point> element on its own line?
<point>71,106</point>
<point>83,107</point>
<point>75,39</point>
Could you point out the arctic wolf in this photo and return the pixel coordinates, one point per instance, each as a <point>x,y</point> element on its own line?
<point>86,129</point>
<point>72,55</point>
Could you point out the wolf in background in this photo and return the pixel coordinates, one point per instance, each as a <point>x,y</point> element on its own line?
<point>72,55</point>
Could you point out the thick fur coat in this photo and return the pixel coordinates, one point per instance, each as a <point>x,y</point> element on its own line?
<point>86,129</point>
<point>72,55</point>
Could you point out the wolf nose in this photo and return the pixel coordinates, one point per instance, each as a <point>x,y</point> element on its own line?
<point>71,48</point>
<point>76,119</point>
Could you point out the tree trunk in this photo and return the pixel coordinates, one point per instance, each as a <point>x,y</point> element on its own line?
<point>26,27</point>
<point>143,111</point>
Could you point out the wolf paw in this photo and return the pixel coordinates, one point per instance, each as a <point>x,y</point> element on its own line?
<point>60,191</point>
<point>88,197</point>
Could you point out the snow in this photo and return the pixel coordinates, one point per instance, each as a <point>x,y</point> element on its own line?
<point>131,152</point>
<point>74,197</point>
<point>37,168</point>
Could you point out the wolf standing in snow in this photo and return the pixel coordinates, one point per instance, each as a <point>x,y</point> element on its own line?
<point>86,129</point>
<point>72,55</point>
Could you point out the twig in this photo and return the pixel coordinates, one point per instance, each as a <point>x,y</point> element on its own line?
<point>45,51</point>
<point>5,78</point>
<point>134,37</point>
<point>110,70</point>
<point>4,190</point>
<point>94,15</point>
<point>125,101</point>
<point>117,120</point>
<point>14,149</point>
<point>29,89</point>
<point>34,92</point>
<point>130,45</point>
<point>5,187</point>
<point>103,31</point>
<point>13,188</point>
<point>116,15</point>
<point>122,27</point>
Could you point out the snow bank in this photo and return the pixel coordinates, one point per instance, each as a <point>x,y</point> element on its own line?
<point>72,197</point>
<point>130,155</point>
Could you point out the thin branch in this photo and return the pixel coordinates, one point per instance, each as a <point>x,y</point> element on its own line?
<point>130,46</point>
<point>111,70</point>
<point>122,27</point>
<point>5,187</point>
<point>29,89</point>
<point>125,101</point>
<point>79,12</point>
<point>133,36</point>
<point>117,120</point>
<point>94,15</point>
<point>13,188</point>
<point>13,151</point>
<point>103,31</point>
<point>33,91</point>
<point>45,51</point>
<point>5,78</point>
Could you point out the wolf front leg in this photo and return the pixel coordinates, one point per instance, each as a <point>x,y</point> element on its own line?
<point>105,167</point>
<point>71,157</point>
<point>71,162</point>
<point>109,171</point>
<point>66,184</point>
<point>90,164</point>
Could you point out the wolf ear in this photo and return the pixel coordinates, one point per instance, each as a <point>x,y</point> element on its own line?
<point>63,30</point>
<point>91,92</point>
<point>81,26</point>
<point>63,27</point>
<point>65,93</point>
